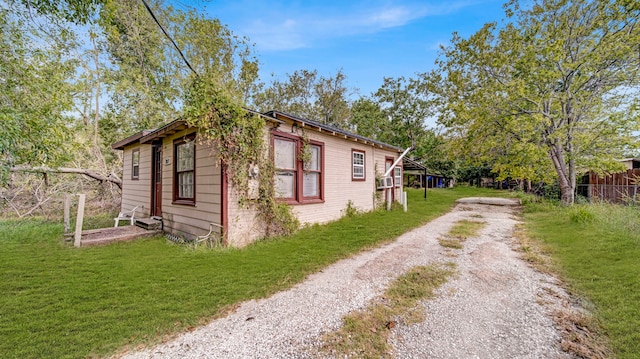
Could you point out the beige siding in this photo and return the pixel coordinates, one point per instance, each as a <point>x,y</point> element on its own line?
<point>243,227</point>
<point>187,220</point>
<point>339,188</point>
<point>137,192</point>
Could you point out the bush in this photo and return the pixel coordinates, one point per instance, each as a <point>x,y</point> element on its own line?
<point>581,214</point>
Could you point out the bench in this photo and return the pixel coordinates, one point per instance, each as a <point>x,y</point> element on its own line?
<point>126,216</point>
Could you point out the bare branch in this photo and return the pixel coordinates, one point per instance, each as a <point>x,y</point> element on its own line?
<point>81,171</point>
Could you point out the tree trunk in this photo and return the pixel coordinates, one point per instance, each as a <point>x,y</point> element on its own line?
<point>564,177</point>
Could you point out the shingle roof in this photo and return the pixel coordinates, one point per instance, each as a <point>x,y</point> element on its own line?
<point>331,129</point>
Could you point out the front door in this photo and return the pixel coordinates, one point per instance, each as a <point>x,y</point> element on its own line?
<point>156,180</point>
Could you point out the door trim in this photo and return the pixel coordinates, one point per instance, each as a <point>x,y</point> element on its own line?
<point>156,173</point>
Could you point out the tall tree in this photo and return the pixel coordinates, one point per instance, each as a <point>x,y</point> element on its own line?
<point>35,96</point>
<point>305,94</point>
<point>407,105</point>
<point>141,74</point>
<point>557,87</point>
<point>369,120</point>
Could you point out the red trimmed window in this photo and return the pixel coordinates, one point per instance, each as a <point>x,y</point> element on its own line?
<point>297,182</point>
<point>358,170</point>
<point>184,183</point>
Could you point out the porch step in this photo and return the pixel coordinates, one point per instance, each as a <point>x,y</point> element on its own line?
<point>148,223</point>
<point>109,235</point>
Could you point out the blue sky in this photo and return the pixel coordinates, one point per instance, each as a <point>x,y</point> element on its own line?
<point>368,40</point>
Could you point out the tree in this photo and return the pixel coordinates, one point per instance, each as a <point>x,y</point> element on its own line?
<point>35,98</point>
<point>369,120</point>
<point>556,88</point>
<point>407,105</point>
<point>323,99</point>
<point>140,74</point>
<point>64,100</point>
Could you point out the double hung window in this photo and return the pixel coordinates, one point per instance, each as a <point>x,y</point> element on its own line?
<point>135,164</point>
<point>184,171</point>
<point>295,181</point>
<point>358,165</point>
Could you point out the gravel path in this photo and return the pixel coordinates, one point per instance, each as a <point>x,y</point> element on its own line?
<point>497,307</point>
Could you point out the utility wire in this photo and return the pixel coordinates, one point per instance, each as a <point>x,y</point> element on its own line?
<point>168,37</point>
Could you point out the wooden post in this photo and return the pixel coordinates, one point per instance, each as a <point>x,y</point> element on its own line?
<point>79,219</point>
<point>67,210</point>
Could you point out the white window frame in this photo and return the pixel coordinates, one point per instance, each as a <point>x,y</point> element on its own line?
<point>355,165</point>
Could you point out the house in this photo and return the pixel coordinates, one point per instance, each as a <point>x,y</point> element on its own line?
<point>168,174</point>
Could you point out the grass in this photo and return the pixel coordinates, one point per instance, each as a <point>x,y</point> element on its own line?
<point>62,302</point>
<point>461,231</point>
<point>364,333</point>
<point>596,248</point>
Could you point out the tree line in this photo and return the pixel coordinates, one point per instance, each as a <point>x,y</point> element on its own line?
<point>546,94</point>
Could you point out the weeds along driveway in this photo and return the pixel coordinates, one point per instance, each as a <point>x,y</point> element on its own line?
<point>495,307</point>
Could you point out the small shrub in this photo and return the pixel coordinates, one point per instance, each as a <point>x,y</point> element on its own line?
<point>581,214</point>
<point>351,210</point>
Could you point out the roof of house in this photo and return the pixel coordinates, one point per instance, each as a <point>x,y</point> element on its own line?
<point>147,136</point>
<point>172,127</point>
<point>321,127</point>
<point>129,140</point>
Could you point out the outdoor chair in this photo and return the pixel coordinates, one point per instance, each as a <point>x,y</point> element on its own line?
<point>126,216</point>
<point>209,237</point>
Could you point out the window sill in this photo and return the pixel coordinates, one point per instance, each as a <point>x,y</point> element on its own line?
<point>184,202</point>
<point>358,179</point>
<point>293,202</point>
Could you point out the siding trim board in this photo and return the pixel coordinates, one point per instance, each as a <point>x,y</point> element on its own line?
<point>224,206</point>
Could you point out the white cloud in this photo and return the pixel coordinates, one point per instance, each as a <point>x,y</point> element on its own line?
<point>292,28</point>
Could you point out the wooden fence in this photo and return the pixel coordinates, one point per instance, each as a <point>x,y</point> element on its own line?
<point>621,187</point>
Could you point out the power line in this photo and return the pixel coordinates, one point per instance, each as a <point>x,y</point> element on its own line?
<point>168,37</point>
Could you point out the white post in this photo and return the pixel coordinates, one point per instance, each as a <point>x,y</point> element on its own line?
<point>78,235</point>
<point>67,211</point>
<point>388,192</point>
<point>404,201</point>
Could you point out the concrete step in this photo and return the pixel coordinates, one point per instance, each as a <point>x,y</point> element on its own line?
<point>148,223</point>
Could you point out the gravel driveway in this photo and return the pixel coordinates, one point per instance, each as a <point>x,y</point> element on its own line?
<point>496,307</point>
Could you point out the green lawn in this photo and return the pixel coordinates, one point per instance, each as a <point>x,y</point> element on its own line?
<point>597,249</point>
<point>61,302</point>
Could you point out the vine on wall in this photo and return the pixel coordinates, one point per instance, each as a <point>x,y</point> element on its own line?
<point>238,138</point>
<point>305,151</point>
